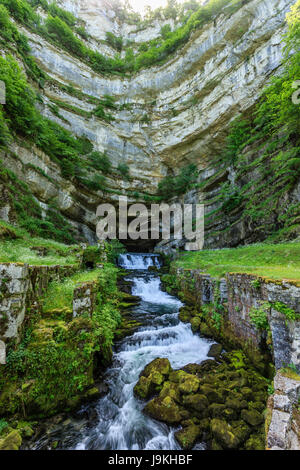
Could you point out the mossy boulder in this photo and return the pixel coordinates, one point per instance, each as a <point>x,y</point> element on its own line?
<point>236,358</point>
<point>188,436</point>
<point>12,441</point>
<point>161,365</point>
<point>196,402</point>
<point>185,314</point>
<point>188,383</point>
<point>165,410</point>
<point>195,323</point>
<point>236,404</point>
<point>216,410</point>
<point>255,442</point>
<point>215,350</point>
<point>170,390</point>
<point>252,417</point>
<point>213,396</point>
<point>224,434</point>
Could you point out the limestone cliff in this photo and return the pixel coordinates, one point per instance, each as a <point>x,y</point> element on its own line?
<point>166,116</point>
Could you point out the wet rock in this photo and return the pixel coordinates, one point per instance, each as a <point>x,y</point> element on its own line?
<point>188,436</point>
<point>161,365</point>
<point>215,350</point>
<point>165,410</point>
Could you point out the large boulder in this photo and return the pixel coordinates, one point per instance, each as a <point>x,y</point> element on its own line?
<point>224,434</point>
<point>188,436</point>
<point>165,410</point>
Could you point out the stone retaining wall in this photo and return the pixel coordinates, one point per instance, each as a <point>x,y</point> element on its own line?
<point>21,286</point>
<point>84,299</point>
<point>284,429</point>
<point>240,293</point>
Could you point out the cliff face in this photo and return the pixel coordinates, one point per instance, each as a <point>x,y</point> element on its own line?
<point>174,114</point>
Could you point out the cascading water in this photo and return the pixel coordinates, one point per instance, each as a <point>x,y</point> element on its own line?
<point>138,261</point>
<point>120,423</point>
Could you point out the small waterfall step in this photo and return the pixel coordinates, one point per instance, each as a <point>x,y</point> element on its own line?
<point>139,261</point>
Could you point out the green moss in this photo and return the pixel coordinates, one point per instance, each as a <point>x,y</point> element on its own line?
<point>188,436</point>
<point>12,441</point>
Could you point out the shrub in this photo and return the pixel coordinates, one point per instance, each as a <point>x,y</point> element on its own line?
<point>124,170</point>
<point>172,186</point>
<point>100,161</point>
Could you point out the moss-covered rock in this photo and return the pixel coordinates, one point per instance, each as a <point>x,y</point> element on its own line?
<point>165,410</point>
<point>195,323</point>
<point>188,436</point>
<point>170,389</point>
<point>196,402</point>
<point>224,434</point>
<point>188,383</point>
<point>12,441</point>
<point>161,365</point>
<point>236,404</point>
<point>253,417</point>
<point>255,442</point>
<point>216,410</point>
<point>213,396</point>
<point>215,350</point>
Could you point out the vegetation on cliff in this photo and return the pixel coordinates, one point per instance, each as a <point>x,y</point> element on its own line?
<point>59,28</point>
<point>263,154</point>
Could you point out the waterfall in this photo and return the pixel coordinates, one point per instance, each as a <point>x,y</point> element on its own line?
<point>138,261</point>
<point>120,422</point>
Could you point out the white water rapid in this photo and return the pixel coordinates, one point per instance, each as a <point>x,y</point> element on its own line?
<point>120,423</point>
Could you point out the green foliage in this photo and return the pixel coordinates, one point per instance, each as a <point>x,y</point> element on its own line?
<point>124,170</point>
<point>3,425</point>
<point>264,153</point>
<point>114,41</point>
<point>29,213</point>
<point>54,363</point>
<point>259,316</point>
<point>289,313</point>
<point>172,186</point>
<point>60,32</point>
<point>59,23</point>
<point>100,161</point>
<point>20,115</point>
<point>113,249</point>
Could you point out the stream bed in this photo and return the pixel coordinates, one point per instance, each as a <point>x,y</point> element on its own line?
<point>118,422</point>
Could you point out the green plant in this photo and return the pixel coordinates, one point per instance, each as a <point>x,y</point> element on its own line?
<point>256,283</point>
<point>217,319</point>
<point>3,425</point>
<point>124,170</point>
<point>289,313</point>
<point>259,316</point>
<point>172,186</point>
